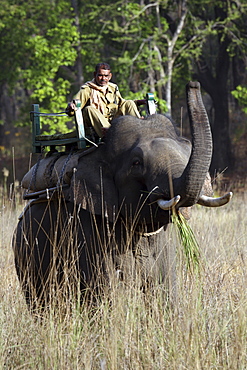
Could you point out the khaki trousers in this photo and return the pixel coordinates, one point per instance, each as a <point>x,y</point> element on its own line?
<point>93,117</point>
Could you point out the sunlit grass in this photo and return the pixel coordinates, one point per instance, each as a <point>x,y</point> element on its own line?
<point>204,328</point>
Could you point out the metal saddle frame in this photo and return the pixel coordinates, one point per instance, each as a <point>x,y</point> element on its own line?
<point>77,138</point>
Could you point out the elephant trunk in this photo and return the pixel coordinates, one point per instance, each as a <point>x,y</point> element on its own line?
<point>193,177</point>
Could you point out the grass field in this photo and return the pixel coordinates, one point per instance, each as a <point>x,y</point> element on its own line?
<point>205,329</point>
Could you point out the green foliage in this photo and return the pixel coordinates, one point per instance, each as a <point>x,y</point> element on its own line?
<point>38,38</point>
<point>48,53</point>
<point>42,44</point>
<point>216,22</point>
<point>240,93</point>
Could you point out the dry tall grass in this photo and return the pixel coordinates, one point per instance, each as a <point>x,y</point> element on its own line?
<point>205,329</point>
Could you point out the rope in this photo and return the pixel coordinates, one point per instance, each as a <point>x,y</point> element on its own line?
<point>34,173</point>
<point>91,142</point>
<point>59,114</point>
<point>64,167</point>
<point>52,165</point>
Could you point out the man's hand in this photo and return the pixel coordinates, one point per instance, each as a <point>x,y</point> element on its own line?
<point>70,109</point>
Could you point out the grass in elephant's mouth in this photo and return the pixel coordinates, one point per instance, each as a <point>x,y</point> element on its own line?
<point>189,243</point>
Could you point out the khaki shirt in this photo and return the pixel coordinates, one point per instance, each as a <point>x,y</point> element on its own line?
<point>111,101</point>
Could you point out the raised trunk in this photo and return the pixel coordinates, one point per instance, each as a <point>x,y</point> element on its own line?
<point>192,180</point>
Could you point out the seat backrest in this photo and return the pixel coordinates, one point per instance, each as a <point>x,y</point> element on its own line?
<point>149,102</point>
<point>151,107</point>
<point>76,137</point>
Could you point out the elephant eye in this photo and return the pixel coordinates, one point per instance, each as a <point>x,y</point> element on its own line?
<point>136,166</point>
<point>136,162</point>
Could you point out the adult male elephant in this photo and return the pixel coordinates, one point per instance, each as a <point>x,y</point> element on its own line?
<point>116,195</point>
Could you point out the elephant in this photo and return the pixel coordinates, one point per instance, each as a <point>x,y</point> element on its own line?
<point>110,201</point>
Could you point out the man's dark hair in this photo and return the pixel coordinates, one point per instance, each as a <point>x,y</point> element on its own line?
<point>102,66</point>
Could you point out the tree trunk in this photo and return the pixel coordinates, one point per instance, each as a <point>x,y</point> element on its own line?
<point>222,157</point>
<point>170,53</point>
<point>217,87</point>
<point>79,69</point>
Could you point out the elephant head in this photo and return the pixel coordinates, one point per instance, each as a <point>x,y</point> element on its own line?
<point>145,169</point>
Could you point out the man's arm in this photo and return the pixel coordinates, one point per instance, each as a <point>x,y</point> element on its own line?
<point>83,95</point>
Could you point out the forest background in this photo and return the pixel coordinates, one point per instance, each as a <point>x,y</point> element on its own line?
<point>49,48</point>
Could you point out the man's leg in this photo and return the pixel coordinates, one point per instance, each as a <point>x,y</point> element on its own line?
<point>94,118</point>
<point>129,108</point>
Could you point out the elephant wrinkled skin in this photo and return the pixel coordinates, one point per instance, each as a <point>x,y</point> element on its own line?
<point>118,196</point>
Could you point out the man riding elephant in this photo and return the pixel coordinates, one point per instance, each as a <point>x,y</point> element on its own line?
<point>101,101</point>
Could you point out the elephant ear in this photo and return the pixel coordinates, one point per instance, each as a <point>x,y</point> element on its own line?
<point>92,185</point>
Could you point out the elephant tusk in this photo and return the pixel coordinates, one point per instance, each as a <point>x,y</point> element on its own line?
<point>168,204</point>
<point>214,202</point>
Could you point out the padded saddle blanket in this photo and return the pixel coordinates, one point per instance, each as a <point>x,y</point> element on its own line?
<point>53,170</point>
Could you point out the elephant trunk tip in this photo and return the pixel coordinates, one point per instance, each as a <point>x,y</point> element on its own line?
<point>193,85</point>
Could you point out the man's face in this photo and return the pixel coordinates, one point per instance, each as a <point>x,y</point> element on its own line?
<point>102,77</point>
